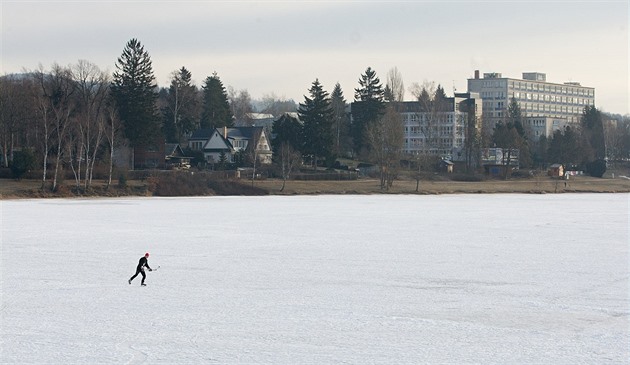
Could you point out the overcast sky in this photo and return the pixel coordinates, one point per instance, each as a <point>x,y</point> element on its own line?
<point>281,47</point>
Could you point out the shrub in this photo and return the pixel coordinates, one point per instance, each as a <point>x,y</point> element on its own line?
<point>466,177</point>
<point>522,174</point>
<point>23,161</point>
<point>181,184</point>
<point>122,179</point>
<point>198,184</point>
<point>596,168</point>
<point>152,184</point>
<point>233,187</point>
<point>5,173</point>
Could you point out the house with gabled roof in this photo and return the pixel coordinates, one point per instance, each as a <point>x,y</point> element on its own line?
<point>175,157</point>
<point>214,142</point>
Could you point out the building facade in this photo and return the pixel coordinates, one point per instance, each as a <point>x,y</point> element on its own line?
<point>440,132</point>
<point>218,142</point>
<point>558,104</point>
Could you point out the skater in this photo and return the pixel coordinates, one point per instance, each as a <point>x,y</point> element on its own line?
<point>140,269</point>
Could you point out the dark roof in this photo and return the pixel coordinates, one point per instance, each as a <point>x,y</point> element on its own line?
<point>170,148</point>
<point>235,132</point>
<point>173,150</point>
<point>245,132</point>
<point>203,133</point>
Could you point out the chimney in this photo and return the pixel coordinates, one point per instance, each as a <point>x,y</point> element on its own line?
<point>225,132</point>
<point>476,74</point>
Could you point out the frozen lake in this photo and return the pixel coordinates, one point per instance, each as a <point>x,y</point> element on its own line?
<point>505,279</point>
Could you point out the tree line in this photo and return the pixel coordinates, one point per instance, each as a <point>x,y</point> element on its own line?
<point>75,118</point>
<point>587,146</point>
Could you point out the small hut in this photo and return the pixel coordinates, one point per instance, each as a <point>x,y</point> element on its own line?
<point>556,170</point>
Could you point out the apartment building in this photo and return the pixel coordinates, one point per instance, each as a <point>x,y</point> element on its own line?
<point>546,105</point>
<point>440,132</point>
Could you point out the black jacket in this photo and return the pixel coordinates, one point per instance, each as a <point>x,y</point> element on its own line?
<point>142,264</point>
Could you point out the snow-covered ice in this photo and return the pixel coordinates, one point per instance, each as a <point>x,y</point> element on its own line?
<point>383,279</point>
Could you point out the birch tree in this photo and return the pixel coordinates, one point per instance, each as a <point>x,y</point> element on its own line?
<point>112,127</point>
<point>341,121</point>
<point>92,89</point>
<point>182,108</point>
<point>56,104</point>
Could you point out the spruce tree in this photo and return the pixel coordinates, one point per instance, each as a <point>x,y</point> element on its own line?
<point>134,91</point>
<point>368,107</point>
<point>286,130</point>
<point>340,120</point>
<point>594,129</point>
<point>216,112</point>
<point>317,115</point>
<point>515,117</point>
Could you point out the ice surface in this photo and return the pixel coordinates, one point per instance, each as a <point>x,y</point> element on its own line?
<point>504,279</point>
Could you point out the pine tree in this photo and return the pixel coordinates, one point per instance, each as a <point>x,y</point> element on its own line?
<point>368,107</point>
<point>439,92</point>
<point>569,148</point>
<point>340,121</point>
<point>515,117</point>
<point>216,111</point>
<point>286,130</point>
<point>317,115</point>
<point>134,91</point>
<point>594,129</point>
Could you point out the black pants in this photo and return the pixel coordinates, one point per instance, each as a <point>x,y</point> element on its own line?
<point>139,271</point>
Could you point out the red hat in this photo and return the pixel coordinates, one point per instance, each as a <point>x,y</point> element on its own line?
<point>146,254</point>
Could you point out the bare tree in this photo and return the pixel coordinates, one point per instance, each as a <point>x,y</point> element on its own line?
<point>252,151</point>
<point>385,138</point>
<point>241,105</point>
<point>112,127</point>
<point>56,105</point>
<point>341,122</point>
<point>394,83</point>
<point>289,159</point>
<point>614,134</point>
<point>274,105</point>
<point>16,114</point>
<point>181,107</point>
<point>92,89</point>
<point>433,112</point>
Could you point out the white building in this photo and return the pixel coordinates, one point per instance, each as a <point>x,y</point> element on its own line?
<point>440,133</point>
<point>543,126</point>
<point>217,142</point>
<point>538,99</point>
